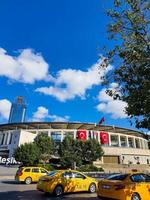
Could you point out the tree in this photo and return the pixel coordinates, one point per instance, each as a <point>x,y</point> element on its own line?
<point>45,146</point>
<point>27,154</point>
<point>68,154</point>
<point>130,27</point>
<point>92,151</point>
<point>79,152</point>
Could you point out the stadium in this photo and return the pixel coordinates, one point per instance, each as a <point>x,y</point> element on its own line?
<point>120,145</point>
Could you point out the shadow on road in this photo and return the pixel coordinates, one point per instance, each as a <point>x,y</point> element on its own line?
<point>35,195</point>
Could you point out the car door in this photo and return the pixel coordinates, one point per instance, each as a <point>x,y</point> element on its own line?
<point>142,186</point>
<point>66,181</point>
<point>43,172</point>
<point>80,182</point>
<point>35,174</point>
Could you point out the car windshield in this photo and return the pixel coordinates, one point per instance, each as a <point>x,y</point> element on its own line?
<point>52,173</point>
<point>119,177</point>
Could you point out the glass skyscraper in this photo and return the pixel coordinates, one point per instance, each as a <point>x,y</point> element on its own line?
<point>18,111</point>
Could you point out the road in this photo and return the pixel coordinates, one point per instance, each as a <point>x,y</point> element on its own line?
<point>10,190</point>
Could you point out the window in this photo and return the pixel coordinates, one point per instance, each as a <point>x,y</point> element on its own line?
<point>68,133</point>
<point>114,140</point>
<point>52,173</point>
<point>43,132</point>
<point>67,175</point>
<point>2,138</point>
<point>43,171</point>
<point>10,140</point>
<point>131,142</point>
<point>56,136</point>
<point>27,170</point>
<point>137,143</point>
<point>78,175</point>
<point>117,177</point>
<point>35,170</point>
<point>140,178</point>
<point>123,141</point>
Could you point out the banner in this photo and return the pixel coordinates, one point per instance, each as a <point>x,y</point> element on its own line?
<point>81,135</point>
<point>104,137</point>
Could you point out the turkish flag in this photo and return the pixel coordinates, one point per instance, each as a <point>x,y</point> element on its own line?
<point>101,121</point>
<point>81,135</point>
<point>104,137</point>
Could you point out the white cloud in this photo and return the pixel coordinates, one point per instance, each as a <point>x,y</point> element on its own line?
<point>42,113</point>
<point>5,106</point>
<point>56,118</point>
<point>110,106</point>
<point>70,83</point>
<point>27,67</point>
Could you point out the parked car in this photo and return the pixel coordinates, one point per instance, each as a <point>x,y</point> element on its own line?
<point>30,174</point>
<point>64,181</point>
<point>132,186</point>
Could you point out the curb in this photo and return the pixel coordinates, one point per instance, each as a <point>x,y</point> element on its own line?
<point>6,177</point>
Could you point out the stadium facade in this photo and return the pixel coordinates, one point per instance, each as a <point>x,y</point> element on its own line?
<point>120,145</point>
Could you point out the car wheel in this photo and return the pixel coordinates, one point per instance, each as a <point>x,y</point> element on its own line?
<point>92,188</point>
<point>135,196</point>
<point>58,190</point>
<point>28,180</point>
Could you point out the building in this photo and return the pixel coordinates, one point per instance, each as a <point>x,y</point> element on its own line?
<point>120,145</point>
<point>18,110</point>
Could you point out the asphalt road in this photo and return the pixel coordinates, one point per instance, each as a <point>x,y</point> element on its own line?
<point>10,190</point>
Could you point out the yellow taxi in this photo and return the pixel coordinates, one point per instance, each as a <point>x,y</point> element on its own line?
<point>132,186</point>
<point>66,181</point>
<point>30,174</point>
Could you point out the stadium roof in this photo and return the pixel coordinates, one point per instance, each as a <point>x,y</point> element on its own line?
<point>69,126</point>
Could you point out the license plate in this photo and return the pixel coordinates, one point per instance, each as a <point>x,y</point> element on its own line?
<point>106,186</point>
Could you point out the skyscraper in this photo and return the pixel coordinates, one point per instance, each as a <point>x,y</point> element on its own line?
<point>18,110</point>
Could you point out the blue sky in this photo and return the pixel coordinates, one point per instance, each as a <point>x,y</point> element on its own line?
<point>50,55</point>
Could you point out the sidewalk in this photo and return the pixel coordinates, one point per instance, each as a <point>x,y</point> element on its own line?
<point>7,173</point>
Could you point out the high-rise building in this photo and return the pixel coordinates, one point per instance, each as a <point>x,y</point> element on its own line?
<point>18,110</point>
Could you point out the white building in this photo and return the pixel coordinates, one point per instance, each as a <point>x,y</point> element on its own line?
<point>120,145</point>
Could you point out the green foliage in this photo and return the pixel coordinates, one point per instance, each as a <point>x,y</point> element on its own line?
<point>67,153</point>
<point>45,145</point>
<point>79,151</point>
<point>90,168</point>
<point>27,154</point>
<point>91,151</point>
<point>130,27</point>
<point>49,167</point>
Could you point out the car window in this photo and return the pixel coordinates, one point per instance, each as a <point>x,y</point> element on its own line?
<point>52,173</point>
<point>140,178</point>
<point>67,175</point>
<point>78,175</point>
<point>35,170</point>
<point>43,171</point>
<point>119,177</point>
<point>27,170</point>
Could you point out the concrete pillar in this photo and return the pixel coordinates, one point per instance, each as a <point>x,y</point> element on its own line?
<point>99,137</point>
<point>75,135</point>
<point>134,144</point>
<point>62,136</point>
<point>8,138</point>
<point>119,141</point>
<point>87,135</point>
<point>109,139</point>
<point>127,141</point>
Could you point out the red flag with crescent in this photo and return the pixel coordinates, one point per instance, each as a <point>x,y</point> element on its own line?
<point>81,134</point>
<point>101,121</point>
<point>104,137</point>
